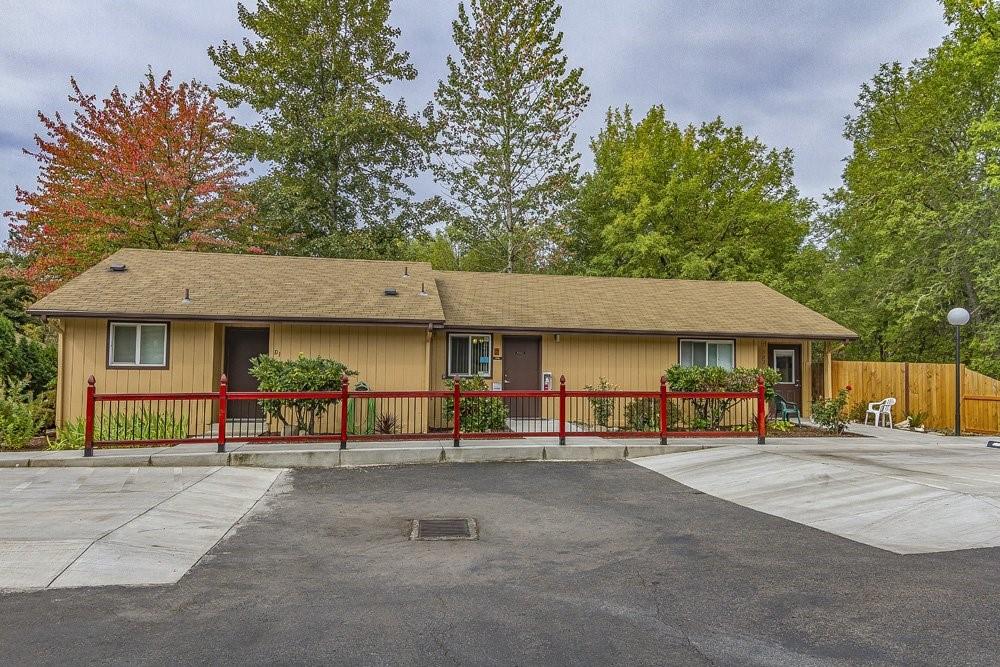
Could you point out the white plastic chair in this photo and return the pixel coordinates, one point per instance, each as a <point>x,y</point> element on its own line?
<point>881,410</point>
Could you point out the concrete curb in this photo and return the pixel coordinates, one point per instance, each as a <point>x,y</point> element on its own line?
<point>336,458</point>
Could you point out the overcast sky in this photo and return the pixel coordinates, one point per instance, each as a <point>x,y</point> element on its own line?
<point>786,70</point>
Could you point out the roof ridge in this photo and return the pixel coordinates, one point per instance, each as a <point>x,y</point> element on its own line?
<point>268,255</point>
<point>697,281</point>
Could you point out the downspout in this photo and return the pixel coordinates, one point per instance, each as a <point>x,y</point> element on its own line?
<point>428,338</point>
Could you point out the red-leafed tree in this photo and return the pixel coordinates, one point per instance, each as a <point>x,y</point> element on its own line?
<point>151,170</point>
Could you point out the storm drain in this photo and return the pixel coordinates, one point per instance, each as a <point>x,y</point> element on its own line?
<point>444,529</point>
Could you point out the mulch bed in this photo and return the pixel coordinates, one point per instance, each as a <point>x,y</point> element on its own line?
<point>36,444</point>
<point>812,432</point>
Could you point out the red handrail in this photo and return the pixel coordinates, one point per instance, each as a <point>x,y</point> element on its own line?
<point>456,395</point>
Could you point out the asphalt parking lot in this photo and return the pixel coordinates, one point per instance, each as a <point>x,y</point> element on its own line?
<point>577,564</point>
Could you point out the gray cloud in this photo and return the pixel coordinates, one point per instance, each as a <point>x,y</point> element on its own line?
<point>788,71</point>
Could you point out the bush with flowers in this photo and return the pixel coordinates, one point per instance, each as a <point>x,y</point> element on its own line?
<point>831,413</point>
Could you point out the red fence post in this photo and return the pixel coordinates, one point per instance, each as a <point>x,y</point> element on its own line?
<point>761,411</point>
<point>663,409</point>
<point>88,428</point>
<point>562,409</point>
<point>457,428</point>
<point>223,392</point>
<point>344,394</point>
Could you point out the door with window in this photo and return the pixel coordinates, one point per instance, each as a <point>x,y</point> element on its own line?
<point>242,345</point>
<point>787,360</point>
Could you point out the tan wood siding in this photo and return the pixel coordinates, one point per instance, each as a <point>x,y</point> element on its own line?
<point>85,352</point>
<point>387,358</point>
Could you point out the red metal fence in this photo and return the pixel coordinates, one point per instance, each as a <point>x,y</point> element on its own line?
<point>360,415</point>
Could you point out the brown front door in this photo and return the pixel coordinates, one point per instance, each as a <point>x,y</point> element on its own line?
<point>242,345</point>
<point>522,369</point>
<point>787,360</point>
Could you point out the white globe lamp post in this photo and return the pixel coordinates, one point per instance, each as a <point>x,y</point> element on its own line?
<point>958,317</point>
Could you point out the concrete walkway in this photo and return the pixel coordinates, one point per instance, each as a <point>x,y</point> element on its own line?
<point>903,492</point>
<point>402,452</point>
<point>117,526</point>
<point>329,455</point>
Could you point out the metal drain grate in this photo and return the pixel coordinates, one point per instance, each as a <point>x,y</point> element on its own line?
<point>444,529</point>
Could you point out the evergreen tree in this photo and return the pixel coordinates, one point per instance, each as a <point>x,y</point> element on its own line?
<point>341,151</point>
<point>505,113</point>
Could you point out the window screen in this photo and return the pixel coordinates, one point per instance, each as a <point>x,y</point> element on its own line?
<point>707,353</point>
<point>137,345</point>
<point>470,354</point>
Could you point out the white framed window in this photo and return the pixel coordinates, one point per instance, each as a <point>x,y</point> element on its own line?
<point>131,344</point>
<point>470,355</point>
<point>721,353</point>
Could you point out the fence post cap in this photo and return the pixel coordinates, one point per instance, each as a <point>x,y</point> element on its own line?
<point>663,379</point>
<point>223,379</point>
<point>91,381</point>
<point>344,381</point>
<point>562,379</point>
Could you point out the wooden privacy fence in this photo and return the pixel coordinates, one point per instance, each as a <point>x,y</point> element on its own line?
<point>924,388</point>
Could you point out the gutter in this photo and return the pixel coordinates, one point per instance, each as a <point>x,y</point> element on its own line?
<point>146,317</point>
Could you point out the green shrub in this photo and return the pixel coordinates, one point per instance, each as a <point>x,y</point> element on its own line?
<point>141,425</point>
<point>138,426</point>
<point>31,359</point>
<point>857,412</point>
<point>602,408</point>
<point>302,374</point>
<point>713,378</point>
<point>385,423</point>
<point>709,413</point>
<point>477,415</point>
<point>21,414</point>
<point>918,419</point>
<point>781,426</point>
<point>69,436</point>
<point>831,413</point>
<point>642,414</point>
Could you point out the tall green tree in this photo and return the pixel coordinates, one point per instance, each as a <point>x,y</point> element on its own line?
<point>705,202</point>
<point>913,231</point>
<point>506,147</point>
<point>340,151</point>
<point>15,297</point>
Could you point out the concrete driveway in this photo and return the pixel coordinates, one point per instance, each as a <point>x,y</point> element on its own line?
<point>906,493</point>
<point>67,527</point>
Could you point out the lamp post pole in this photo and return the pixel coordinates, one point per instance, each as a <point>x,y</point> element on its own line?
<point>958,317</point>
<point>958,380</point>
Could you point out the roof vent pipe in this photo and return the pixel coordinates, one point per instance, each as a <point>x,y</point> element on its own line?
<point>187,297</point>
<point>422,292</point>
<point>406,272</point>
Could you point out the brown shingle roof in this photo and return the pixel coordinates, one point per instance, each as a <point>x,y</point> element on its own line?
<point>248,287</point>
<point>580,303</point>
<point>253,287</point>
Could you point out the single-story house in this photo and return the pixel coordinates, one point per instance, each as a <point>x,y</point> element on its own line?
<point>157,321</point>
